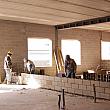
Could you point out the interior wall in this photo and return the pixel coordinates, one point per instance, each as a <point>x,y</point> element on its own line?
<point>43,31</point>
<point>13,35</point>
<point>90,46</point>
<point>105,63</point>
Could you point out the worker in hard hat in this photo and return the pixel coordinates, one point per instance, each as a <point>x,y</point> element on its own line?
<point>29,66</point>
<point>8,67</point>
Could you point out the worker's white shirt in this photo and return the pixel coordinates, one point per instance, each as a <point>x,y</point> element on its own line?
<point>28,66</point>
<point>6,62</point>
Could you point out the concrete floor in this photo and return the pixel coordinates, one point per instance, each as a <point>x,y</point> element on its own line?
<point>21,97</point>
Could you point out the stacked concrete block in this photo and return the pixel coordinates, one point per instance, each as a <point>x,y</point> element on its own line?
<point>58,84</point>
<point>73,86</point>
<point>107,90</point>
<point>105,84</point>
<point>71,90</point>
<point>97,83</point>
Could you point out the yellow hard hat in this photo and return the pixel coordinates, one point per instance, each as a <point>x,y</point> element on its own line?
<point>9,52</point>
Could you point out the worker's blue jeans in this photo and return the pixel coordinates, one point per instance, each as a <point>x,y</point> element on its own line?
<point>70,74</point>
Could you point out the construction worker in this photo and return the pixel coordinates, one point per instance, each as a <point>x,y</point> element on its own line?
<point>29,66</point>
<point>8,67</point>
<point>70,67</point>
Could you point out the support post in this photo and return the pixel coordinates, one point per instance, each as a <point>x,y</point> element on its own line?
<point>59,101</point>
<point>94,89</point>
<point>63,99</point>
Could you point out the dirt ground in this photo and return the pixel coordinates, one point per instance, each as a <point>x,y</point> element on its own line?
<point>23,98</point>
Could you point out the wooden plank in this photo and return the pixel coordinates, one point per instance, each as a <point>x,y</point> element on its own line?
<point>53,4</point>
<point>15,14</point>
<point>37,10</point>
<point>96,4</point>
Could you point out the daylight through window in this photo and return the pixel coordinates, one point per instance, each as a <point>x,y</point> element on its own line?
<point>105,50</point>
<point>72,48</point>
<point>40,52</point>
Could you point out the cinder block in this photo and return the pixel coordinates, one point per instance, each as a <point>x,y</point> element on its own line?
<point>70,90</point>
<point>104,96</point>
<point>48,82</point>
<point>48,87</point>
<point>43,82</point>
<point>78,81</point>
<point>100,89</point>
<point>40,76</point>
<point>52,78</point>
<point>64,80</point>
<point>98,95</point>
<point>86,93</point>
<point>83,87</point>
<point>58,88</point>
<point>90,88</point>
<point>78,91</point>
<point>92,93</point>
<point>42,85</point>
<point>86,82</point>
<point>107,90</point>
<point>68,85</point>
<point>97,83</point>
<point>104,84</point>
<point>46,77</point>
<point>71,80</point>
<point>55,83</point>
<point>59,84</point>
<point>75,86</point>
<point>51,87</point>
<point>58,79</point>
<point>63,84</point>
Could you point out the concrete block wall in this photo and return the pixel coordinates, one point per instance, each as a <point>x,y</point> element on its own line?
<point>105,63</point>
<point>43,31</point>
<point>90,47</point>
<point>13,35</point>
<point>75,86</point>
